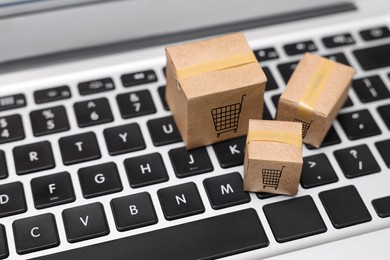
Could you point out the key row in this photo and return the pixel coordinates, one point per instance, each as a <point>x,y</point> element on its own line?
<point>289,219</point>
<point>150,169</point>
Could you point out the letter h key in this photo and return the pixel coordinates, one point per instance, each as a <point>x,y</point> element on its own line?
<point>145,170</point>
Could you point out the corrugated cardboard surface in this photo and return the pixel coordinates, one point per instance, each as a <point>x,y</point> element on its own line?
<point>265,155</point>
<point>328,104</point>
<point>193,99</point>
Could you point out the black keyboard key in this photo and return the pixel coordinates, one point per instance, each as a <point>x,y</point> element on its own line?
<point>275,100</point>
<point>3,243</point>
<point>79,148</point>
<point>161,93</point>
<point>317,171</point>
<point>348,103</point>
<point>35,233</point>
<point>331,138</point>
<point>164,70</point>
<point>138,78</point>
<point>344,207</point>
<point>375,33</point>
<point>294,218</point>
<point>384,149</point>
<point>12,101</point>
<point>287,69</point>
<point>12,200</point>
<point>338,57</point>
<point>226,190</point>
<point>93,112</point>
<point>134,104</point>
<point>370,89</point>
<point>96,86</point>
<point>180,201</point>
<point>163,131</point>
<point>187,163</point>
<point>266,54</point>
<point>266,113</point>
<point>33,157</point>
<point>230,153</point>
<point>49,121</point>
<point>382,206</point>
<point>356,161</point>
<point>3,166</point>
<point>229,234</point>
<point>52,190</point>
<point>124,139</point>
<point>265,195</point>
<point>85,222</point>
<point>133,211</point>
<point>358,124</point>
<point>384,111</point>
<point>374,57</point>
<point>299,47</point>
<point>145,170</point>
<point>99,180</point>
<point>11,129</point>
<point>271,83</point>
<point>338,40</point>
<point>52,94</point>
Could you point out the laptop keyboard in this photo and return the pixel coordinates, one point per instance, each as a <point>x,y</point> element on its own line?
<point>112,166</point>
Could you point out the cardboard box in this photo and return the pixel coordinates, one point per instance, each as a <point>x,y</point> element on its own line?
<point>213,88</point>
<point>273,157</point>
<point>314,95</point>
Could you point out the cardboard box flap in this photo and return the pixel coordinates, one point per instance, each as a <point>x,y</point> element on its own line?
<point>223,80</point>
<point>329,84</point>
<point>202,52</point>
<point>262,134</point>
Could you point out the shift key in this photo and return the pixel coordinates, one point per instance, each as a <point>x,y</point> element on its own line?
<point>374,57</point>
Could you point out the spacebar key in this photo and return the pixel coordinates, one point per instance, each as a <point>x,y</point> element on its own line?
<point>209,238</point>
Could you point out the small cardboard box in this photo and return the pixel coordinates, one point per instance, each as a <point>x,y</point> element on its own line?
<point>213,88</point>
<point>314,95</point>
<point>273,157</point>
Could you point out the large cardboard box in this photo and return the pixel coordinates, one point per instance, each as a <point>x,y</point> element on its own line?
<point>273,157</point>
<point>314,95</point>
<point>213,88</point>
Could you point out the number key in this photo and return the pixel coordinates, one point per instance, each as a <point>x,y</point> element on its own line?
<point>11,129</point>
<point>358,124</point>
<point>49,120</point>
<point>135,104</point>
<point>93,112</point>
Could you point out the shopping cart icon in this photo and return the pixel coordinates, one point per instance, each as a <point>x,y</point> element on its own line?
<point>271,177</point>
<point>226,118</point>
<point>305,126</point>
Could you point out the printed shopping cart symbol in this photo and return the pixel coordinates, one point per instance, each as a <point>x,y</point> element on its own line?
<point>305,126</point>
<point>226,118</point>
<point>271,177</point>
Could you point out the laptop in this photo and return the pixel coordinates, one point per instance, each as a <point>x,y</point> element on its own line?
<point>92,165</point>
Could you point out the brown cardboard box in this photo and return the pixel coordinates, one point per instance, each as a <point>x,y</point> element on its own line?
<point>314,95</point>
<point>213,88</point>
<point>273,157</point>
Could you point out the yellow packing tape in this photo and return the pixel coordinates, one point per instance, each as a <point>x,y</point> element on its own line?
<point>280,137</point>
<point>228,62</point>
<point>314,89</point>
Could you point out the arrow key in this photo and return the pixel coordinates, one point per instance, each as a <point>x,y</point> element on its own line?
<point>317,171</point>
